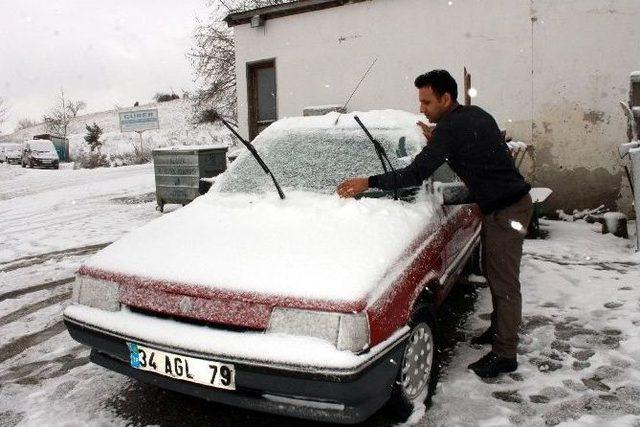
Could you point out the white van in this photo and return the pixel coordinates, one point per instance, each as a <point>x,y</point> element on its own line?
<point>40,153</point>
<point>12,153</point>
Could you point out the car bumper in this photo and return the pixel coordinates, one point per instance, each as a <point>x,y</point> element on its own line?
<point>348,396</point>
<point>45,163</point>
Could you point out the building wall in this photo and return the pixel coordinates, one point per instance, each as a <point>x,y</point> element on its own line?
<point>551,72</point>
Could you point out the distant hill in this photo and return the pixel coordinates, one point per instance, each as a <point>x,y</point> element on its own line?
<point>175,129</point>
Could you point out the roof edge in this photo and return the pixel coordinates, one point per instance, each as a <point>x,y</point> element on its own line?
<point>286,9</point>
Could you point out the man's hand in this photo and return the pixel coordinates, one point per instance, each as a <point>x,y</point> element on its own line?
<point>352,187</point>
<point>427,130</point>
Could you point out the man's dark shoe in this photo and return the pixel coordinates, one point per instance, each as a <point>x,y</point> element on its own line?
<point>491,365</point>
<point>486,337</point>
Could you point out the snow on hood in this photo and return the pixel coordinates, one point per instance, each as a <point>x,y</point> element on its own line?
<point>306,246</point>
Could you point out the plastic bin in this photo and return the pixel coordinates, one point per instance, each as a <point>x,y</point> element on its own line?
<point>178,171</point>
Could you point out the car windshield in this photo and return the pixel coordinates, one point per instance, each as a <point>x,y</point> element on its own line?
<point>12,147</point>
<point>42,147</point>
<point>315,159</point>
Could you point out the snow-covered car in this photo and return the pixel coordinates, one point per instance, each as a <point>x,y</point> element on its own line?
<point>12,153</point>
<point>312,306</point>
<point>40,153</point>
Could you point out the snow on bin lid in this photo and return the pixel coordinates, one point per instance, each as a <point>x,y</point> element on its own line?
<point>192,147</point>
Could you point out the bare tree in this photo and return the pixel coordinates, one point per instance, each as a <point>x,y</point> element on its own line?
<point>75,106</point>
<point>4,112</point>
<point>25,124</point>
<point>57,121</point>
<point>213,57</point>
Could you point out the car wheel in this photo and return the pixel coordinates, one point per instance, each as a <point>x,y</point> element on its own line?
<point>415,381</point>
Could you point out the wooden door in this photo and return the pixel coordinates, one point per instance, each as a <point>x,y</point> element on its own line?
<point>261,88</point>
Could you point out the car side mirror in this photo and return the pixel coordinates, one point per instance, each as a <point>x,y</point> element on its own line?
<point>452,193</point>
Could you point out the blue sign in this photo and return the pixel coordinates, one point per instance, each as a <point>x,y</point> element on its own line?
<point>138,120</point>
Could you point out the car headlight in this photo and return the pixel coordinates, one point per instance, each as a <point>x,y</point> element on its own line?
<point>96,293</point>
<point>344,330</point>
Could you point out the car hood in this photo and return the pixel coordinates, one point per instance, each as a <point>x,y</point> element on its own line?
<point>307,246</point>
<point>45,155</point>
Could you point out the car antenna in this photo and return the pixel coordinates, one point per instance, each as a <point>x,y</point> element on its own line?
<point>344,107</point>
<point>382,154</point>
<point>214,115</point>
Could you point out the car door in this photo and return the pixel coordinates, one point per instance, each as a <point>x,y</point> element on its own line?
<point>460,221</point>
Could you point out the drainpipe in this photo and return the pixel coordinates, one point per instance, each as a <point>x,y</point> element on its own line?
<point>634,155</point>
<point>632,148</point>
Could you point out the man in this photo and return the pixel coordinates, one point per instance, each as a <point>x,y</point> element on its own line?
<point>469,139</point>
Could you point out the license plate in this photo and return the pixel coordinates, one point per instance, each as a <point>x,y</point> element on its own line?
<point>200,371</point>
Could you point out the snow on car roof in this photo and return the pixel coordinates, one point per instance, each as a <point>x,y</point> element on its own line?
<point>376,119</point>
<point>41,145</point>
<point>310,246</point>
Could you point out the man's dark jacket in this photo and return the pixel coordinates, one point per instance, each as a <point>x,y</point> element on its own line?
<point>469,139</point>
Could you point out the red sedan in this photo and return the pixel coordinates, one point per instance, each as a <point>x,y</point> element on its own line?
<point>311,306</point>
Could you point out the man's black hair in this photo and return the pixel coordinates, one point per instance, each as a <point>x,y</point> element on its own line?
<point>440,81</point>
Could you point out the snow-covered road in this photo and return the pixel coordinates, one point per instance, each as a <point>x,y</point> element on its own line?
<point>51,220</point>
<point>51,210</point>
<point>579,354</point>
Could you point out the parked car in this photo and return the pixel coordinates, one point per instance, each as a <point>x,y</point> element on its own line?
<point>40,153</point>
<point>312,306</point>
<point>12,153</point>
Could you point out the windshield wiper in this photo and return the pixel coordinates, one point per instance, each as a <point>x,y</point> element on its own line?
<point>253,151</point>
<point>382,155</point>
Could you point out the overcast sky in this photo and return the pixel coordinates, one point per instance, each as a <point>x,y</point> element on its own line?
<point>102,52</point>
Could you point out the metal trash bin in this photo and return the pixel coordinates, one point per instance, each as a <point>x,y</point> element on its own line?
<point>178,171</point>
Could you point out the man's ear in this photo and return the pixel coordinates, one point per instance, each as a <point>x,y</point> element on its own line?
<point>446,97</point>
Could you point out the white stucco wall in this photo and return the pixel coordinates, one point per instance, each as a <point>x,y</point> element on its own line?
<point>583,53</point>
<point>550,71</point>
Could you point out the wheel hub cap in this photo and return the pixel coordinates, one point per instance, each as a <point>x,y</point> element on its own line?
<point>417,360</point>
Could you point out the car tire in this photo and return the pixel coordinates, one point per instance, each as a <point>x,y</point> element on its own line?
<point>415,382</point>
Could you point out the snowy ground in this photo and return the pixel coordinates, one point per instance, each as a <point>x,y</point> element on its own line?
<point>579,358</point>
<point>579,351</point>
